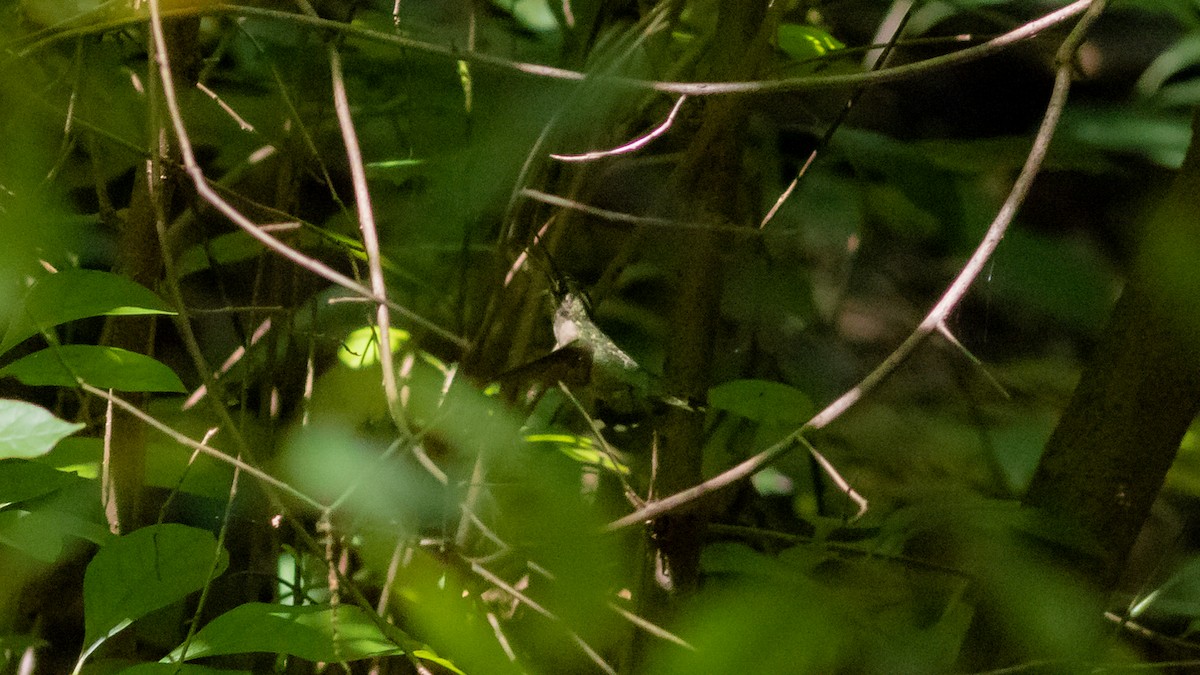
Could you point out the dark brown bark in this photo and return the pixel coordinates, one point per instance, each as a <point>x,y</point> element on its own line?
<point>710,180</point>
<point>139,258</point>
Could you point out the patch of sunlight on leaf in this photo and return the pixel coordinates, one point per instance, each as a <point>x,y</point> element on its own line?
<point>1184,475</point>
<point>21,480</point>
<point>396,171</point>
<point>1179,596</point>
<point>802,43</point>
<point>78,455</point>
<point>360,349</point>
<point>532,15</point>
<point>581,449</point>
<point>27,430</point>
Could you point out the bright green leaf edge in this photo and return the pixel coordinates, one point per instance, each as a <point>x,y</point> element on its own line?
<point>99,366</point>
<point>78,294</point>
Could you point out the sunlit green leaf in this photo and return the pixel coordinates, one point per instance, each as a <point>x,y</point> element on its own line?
<point>27,430</point>
<point>21,480</point>
<point>80,455</point>
<point>104,367</point>
<point>583,450</point>
<point>76,294</point>
<point>1179,596</point>
<point>308,632</point>
<point>395,171</point>
<point>806,42</point>
<point>361,348</point>
<point>42,534</point>
<point>533,15</point>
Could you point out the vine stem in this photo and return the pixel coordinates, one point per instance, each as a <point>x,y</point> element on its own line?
<point>934,321</point>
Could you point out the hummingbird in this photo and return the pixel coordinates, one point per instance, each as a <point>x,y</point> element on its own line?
<point>616,377</point>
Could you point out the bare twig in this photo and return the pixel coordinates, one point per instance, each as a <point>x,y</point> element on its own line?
<point>630,219</point>
<point>196,445</point>
<point>651,628</point>
<point>626,148</point>
<point>370,234</point>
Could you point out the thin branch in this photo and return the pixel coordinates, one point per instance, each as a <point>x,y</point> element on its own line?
<point>803,83</point>
<point>626,148</point>
<point>196,445</point>
<point>213,569</point>
<point>629,218</point>
<point>875,60</point>
<point>651,628</point>
<point>949,300</point>
<point>370,235</point>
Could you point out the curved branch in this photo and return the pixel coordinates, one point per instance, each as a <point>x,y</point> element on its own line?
<point>933,320</point>
<point>803,83</point>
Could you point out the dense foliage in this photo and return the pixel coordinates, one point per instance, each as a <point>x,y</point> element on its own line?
<point>530,336</point>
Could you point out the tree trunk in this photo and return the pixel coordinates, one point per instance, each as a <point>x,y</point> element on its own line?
<point>1106,460</point>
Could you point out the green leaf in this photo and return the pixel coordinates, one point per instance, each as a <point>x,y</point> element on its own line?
<point>224,249</point>
<point>143,571</point>
<point>27,430</point>
<point>806,42</point>
<point>396,171</point>
<point>361,348</point>
<point>40,534</point>
<point>1174,60</point>
<point>78,294</point>
<point>104,367</point>
<point>583,450</point>
<point>762,401</point>
<point>21,480</point>
<point>532,15</point>
<point>306,632</point>
<point>1178,596</point>
<point>1159,137</point>
<point>178,669</point>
